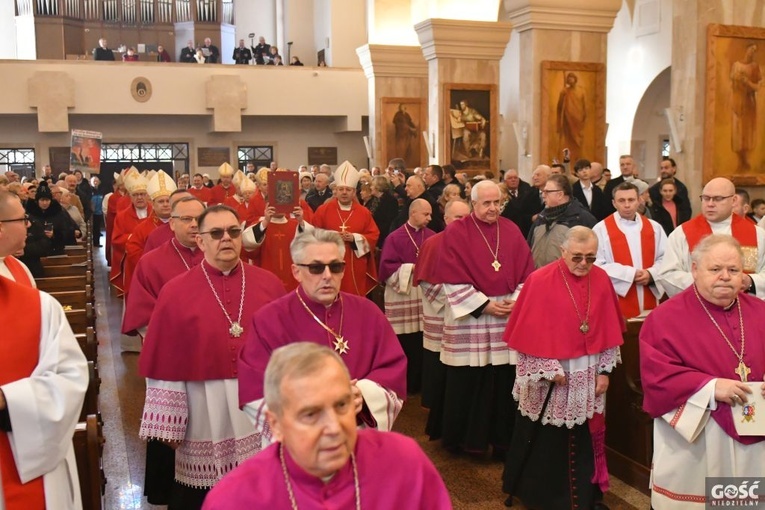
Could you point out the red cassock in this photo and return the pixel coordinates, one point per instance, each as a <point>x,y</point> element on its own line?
<point>202,193</point>
<point>360,272</point>
<point>275,251</point>
<point>219,194</point>
<point>111,214</point>
<point>158,237</point>
<point>242,209</point>
<point>134,246</point>
<point>126,222</point>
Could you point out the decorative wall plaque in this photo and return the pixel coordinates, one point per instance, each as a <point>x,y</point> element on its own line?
<point>213,156</point>
<point>140,89</point>
<point>322,155</point>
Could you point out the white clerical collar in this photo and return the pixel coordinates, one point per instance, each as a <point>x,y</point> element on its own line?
<point>723,223</point>
<point>164,220</point>
<point>142,213</point>
<point>413,227</point>
<point>345,207</point>
<point>626,221</point>
<point>628,179</point>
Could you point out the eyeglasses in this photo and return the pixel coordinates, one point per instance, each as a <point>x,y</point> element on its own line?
<point>589,258</point>
<point>187,219</point>
<point>25,219</point>
<point>716,200</point>
<point>217,233</point>
<point>318,267</point>
<point>548,191</point>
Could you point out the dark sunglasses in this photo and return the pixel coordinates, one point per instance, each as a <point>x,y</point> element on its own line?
<point>578,258</point>
<point>318,268</point>
<point>217,233</point>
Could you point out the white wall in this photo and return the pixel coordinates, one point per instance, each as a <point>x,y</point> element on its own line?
<point>26,44</point>
<point>348,32</point>
<point>322,27</point>
<point>650,124</point>
<point>509,92</point>
<point>7,29</point>
<point>299,29</point>
<point>255,16</point>
<point>633,63</point>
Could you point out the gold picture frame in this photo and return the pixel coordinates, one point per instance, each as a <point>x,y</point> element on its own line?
<point>471,133</point>
<point>734,118</point>
<point>573,111</point>
<point>402,121</point>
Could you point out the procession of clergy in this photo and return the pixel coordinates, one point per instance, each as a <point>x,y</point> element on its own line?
<point>274,382</point>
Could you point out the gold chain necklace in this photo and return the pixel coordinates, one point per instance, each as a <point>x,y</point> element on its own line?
<point>172,241</point>
<point>495,253</point>
<point>742,370</point>
<point>343,227</point>
<point>584,326</point>
<point>416,248</point>
<point>236,328</point>
<point>291,494</point>
<point>341,344</point>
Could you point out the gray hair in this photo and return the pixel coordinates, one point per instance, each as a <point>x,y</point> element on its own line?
<point>479,186</point>
<point>185,200</point>
<point>292,361</point>
<point>578,234</point>
<point>315,236</point>
<point>712,240</point>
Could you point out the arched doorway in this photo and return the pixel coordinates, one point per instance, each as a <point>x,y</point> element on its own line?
<point>650,131</point>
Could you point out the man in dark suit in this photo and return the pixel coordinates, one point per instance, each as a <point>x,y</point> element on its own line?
<point>242,54</point>
<point>516,187</point>
<point>102,52</point>
<point>434,180</point>
<point>627,167</point>
<point>187,53</point>
<point>320,192</point>
<point>415,188</point>
<point>590,196</point>
<point>530,203</point>
<point>261,50</point>
<point>667,170</point>
<point>212,55</point>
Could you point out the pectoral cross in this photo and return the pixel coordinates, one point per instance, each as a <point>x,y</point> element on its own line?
<point>743,371</point>
<point>496,265</point>
<point>343,228</point>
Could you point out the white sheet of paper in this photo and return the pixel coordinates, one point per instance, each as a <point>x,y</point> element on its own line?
<point>750,417</point>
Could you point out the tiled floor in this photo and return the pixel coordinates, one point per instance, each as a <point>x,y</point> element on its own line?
<point>473,483</point>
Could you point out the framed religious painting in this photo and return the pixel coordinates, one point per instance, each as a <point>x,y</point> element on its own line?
<point>471,114</point>
<point>402,121</point>
<point>573,120</point>
<point>283,191</point>
<point>734,119</point>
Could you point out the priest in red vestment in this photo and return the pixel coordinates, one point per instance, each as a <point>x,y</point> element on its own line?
<point>566,328</point>
<point>199,190</point>
<point>245,189</point>
<point>270,239</point>
<point>717,200</point>
<point>13,237</point>
<point>318,311</point>
<point>326,462</point>
<point>159,188</point>
<point>125,223</point>
<point>356,226</point>
<point>111,212</point>
<point>190,357</point>
<point>225,188</point>
<point>43,379</point>
<point>702,362</point>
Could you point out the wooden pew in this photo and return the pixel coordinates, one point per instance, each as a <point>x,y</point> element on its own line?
<point>73,298</point>
<point>88,443</point>
<point>81,319</point>
<point>65,283</point>
<point>65,270</point>
<point>88,344</point>
<point>90,404</point>
<point>64,260</point>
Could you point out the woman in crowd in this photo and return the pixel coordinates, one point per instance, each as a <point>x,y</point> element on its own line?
<point>46,213</point>
<point>387,208</point>
<point>668,212</point>
<point>451,192</point>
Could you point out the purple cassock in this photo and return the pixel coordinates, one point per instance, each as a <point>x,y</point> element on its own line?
<point>189,329</point>
<point>681,351</point>
<point>402,246</point>
<point>466,256</point>
<point>158,237</point>
<point>154,270</point>
<point>393,473</point>
<point>373,352</point>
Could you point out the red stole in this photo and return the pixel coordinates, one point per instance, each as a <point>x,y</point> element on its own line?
<point>744,231</point>
<point>629,304</point>
<point>18,359</point>
<point>17,270</point>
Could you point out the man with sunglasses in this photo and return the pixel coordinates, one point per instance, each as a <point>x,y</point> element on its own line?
<point>717,200</point>
<point>561,212</point>
<point>631,249</point>
<point>190,354</point>
<point>13,236</point>
<point>403,301</point>
<point>318,311</point>
<point>356,226</point>
<point>561,378</point>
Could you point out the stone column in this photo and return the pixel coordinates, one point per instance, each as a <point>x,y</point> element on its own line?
<point>392,72</point>
<point>557,30</point>
<point>461,53</point>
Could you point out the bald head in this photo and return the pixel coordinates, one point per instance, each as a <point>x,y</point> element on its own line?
<point>717,199</point>
<point>454,210</point>
<point>419,213</point>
